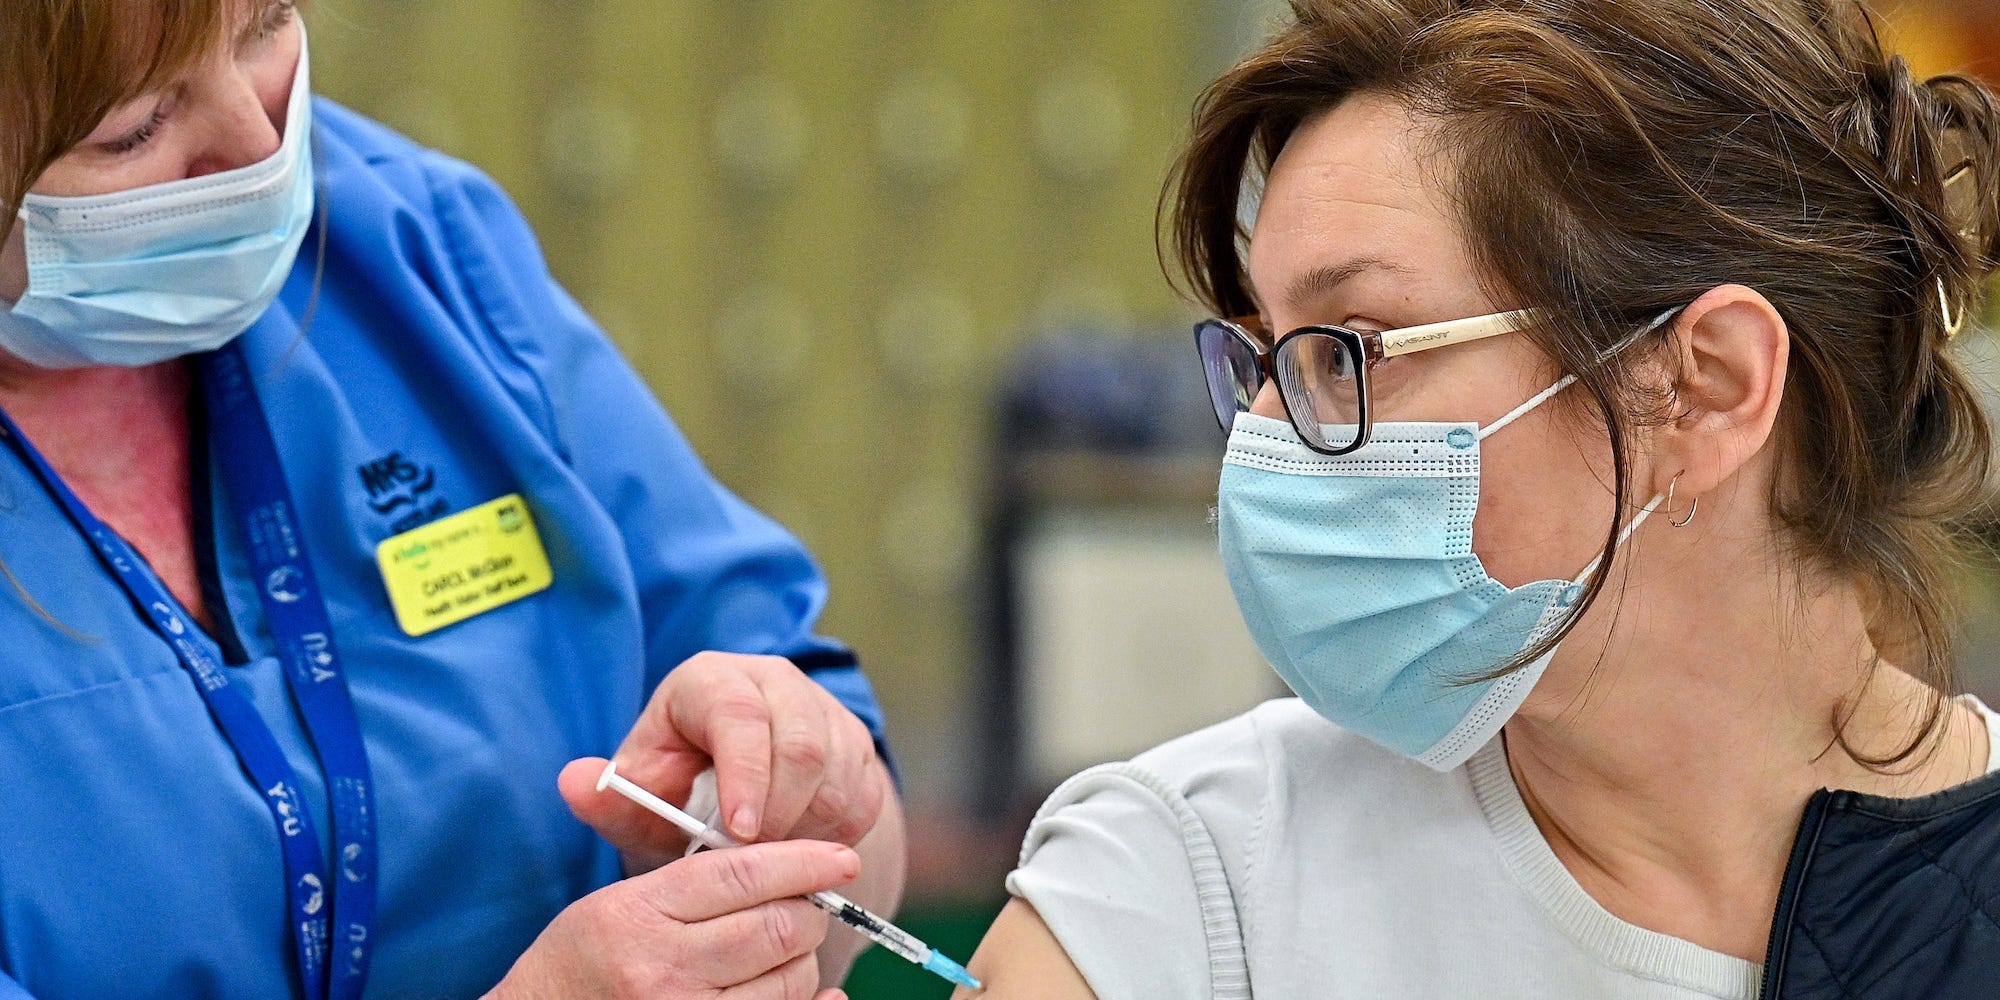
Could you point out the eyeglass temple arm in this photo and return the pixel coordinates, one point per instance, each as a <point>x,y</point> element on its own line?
<point>1458,331</point>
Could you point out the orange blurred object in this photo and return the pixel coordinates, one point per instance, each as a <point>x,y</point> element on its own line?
<point>1947,36</point>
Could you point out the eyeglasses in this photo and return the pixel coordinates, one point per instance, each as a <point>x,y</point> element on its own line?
<point>1322,371</point>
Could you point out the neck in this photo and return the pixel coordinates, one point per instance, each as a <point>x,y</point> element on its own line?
<point>27,391</point>
<point>1667,766</point>
<point>119,438</point>
<point>100,426</point>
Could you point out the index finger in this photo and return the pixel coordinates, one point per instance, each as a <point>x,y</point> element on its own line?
<point>714,883</point>
<point>711,707</point>
<point>730,717</point>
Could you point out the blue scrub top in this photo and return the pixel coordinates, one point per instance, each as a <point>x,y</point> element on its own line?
<point>443,368</point>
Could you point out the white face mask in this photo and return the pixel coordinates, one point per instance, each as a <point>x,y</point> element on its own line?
<point>137,277</point>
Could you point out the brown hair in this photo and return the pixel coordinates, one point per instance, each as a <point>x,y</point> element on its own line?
<point>1615,160</point>
<point>65,64</point>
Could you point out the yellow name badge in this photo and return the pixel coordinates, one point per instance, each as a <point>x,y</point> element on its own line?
<point>464,565</point>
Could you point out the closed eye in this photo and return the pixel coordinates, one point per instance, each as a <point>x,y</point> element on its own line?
<point>132,140</point>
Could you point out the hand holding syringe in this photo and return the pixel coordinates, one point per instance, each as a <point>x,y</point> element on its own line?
<point>839,907</point>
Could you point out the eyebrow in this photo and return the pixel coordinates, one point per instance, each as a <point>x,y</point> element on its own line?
<point>1322,281</point>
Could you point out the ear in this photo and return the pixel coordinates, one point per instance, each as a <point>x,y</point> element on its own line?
<point>1732,349</point>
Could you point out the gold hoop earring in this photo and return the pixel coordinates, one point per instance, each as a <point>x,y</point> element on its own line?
<point>1693,505</point>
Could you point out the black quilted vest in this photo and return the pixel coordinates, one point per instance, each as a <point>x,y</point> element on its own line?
<point>1891,898</point>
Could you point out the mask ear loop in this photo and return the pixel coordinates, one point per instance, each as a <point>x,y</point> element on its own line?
<point>1565,382</point>
<point>1568,380</point>
<point>1623,537</point>
<point>1659,499</point>
<point>1522,410</point>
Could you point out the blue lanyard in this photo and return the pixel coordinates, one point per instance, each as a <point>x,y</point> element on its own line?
<point>332,965</point>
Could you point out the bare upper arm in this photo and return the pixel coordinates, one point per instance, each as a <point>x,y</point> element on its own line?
<point>1020,959</point>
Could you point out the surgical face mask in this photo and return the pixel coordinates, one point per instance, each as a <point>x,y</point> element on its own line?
<point>138,277</point>
<point>1357,579</point>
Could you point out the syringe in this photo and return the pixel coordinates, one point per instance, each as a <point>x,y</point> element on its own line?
<point>839,907</point>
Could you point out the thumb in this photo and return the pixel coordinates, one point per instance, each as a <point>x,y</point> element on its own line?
<point>644,840</point>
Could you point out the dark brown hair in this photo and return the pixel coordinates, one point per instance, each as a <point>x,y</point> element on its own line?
<point>65,64</point>
<point>1617,159</point>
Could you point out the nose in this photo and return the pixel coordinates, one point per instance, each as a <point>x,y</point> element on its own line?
<point>244,124</point>
<point>1268,403</point>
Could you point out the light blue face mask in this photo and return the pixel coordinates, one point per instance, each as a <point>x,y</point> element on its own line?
<point>138,277</point>
<point>1357,579</point>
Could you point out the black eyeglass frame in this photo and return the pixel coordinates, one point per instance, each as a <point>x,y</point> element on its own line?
<point>1368,347</point>
<point>1267,371</point>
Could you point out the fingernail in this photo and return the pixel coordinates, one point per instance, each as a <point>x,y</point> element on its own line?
<point>744,823</point>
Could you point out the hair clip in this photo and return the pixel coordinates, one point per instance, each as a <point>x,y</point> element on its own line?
<point>1952,324</point>
<point>1961,197</point>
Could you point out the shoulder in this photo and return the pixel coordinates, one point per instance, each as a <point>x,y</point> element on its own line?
<point>1275,759</point>
<point>1213,781</point>
<point>1266,736</point>
<point>364,137</point>
<point>1278,758</point>
<point>423,271</point>
<point>347,143</point>
<point>384,189</point>
<point>404,215</point>
<point>1165,854</point>
<point>419,240</point>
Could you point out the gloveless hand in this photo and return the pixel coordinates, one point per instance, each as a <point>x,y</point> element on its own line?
<point>721,925</point>
<point>790,760</point>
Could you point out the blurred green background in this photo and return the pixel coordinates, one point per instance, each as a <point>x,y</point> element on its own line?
<point>819,227</point>
<point>822,229</point>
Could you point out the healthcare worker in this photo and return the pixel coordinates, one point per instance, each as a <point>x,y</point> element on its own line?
<point>331,530</point>
<point>1599,458</point>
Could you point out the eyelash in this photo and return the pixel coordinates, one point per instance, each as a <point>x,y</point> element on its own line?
<point>139,136</point>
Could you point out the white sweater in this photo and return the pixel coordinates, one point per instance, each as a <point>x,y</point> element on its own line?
<point>1280,853</point>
